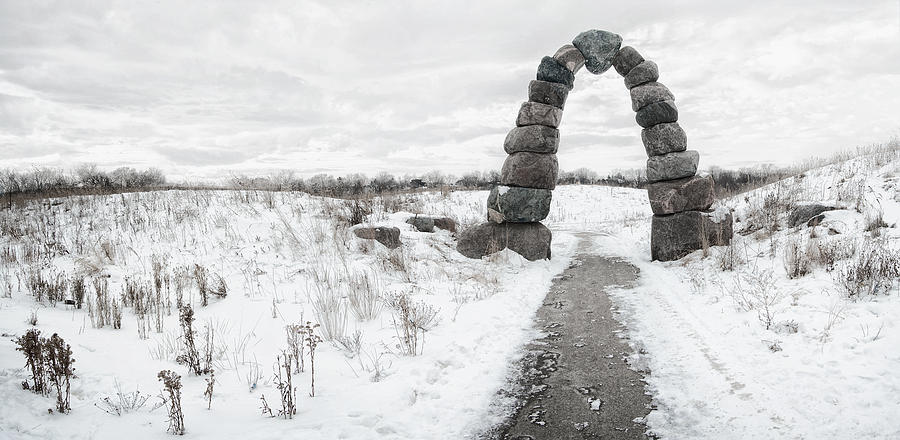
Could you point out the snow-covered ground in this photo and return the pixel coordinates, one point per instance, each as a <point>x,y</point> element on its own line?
<point>823,369</point>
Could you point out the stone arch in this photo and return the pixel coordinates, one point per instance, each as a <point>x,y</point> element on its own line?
<point>679,198</point>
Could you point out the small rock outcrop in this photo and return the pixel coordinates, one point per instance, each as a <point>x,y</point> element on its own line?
<point>388,236</point>
<point>421,223</point>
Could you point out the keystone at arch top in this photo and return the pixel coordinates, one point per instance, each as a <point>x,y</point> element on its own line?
<point>680,199</point>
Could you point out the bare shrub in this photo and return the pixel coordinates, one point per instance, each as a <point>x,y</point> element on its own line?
<point>829,252</point>
<point>171,397</point>
<point>284,383</point>
<point>875,270</point>
<point>312,341</point>
<point>122,402</point>
<point>411,321</point>
<point>190,356</point>
<point>796,260</point>
<point>50,361</point>
<point>728,258</point>
<point>364,295</point>
<point>331,312</point>
<point>757,291</point>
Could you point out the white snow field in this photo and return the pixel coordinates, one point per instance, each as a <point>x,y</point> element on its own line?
<point>824,368</point>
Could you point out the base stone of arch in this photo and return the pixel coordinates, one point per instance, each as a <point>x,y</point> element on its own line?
<point>679,199</point>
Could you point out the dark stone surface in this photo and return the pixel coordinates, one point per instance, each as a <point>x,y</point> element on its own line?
<point>530,240</point>
<point>387,236</point>
<point>672,166</point>
<point>421,223</point>
<point>533,113</point>
<point>549,93</point>
<point>803,213</point>
<point>530,170</point>
<point>518,205</point>
<point>657,113</point>
<point>663,139</point>
<point>695,193</point>
<point>598,48</point>
<point>532,138</point>
<point>580,360</point>
<point>645,72</point>
<point>570,57</point>
<point>649,93</point>
<point>552,71</point>
<point>445,223</point>
<point>676,235</point>
<point>626,59</point>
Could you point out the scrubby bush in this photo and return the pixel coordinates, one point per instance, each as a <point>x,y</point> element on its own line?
<point>171,396</point>
<point>50,362</point>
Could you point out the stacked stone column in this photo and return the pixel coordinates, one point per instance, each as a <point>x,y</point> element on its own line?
<point>679,199</point>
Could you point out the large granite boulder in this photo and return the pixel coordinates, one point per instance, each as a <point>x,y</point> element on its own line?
<point>695,193</point>
<point>570,57</point>
<point>676,235</point>
<point>422,223</point>
<point>549,93</point>
<point>599,48</point>
<point>535,113</point>
<point>626,58</point>
<point>643,73</point>
<point>532,138</point>
<point>657,113</point>
<point>552,71</point>
<point>530,170</point>
<point>387,236</point>
<point>518,205</point>
<point>663,139</point>
<point>530,240</point>
<point>672,166</point>
<point>649,93</point>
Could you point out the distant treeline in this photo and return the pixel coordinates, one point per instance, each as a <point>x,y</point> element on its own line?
<point>89,179</point>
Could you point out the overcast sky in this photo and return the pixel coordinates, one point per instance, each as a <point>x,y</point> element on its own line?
<point>207,89</point>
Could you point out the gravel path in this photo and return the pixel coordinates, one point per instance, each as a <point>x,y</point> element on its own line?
<point>575,381</point>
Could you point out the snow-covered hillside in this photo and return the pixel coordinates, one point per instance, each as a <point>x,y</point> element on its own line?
<point>818,364</point>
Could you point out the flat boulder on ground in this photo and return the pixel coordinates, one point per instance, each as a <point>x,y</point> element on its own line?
<point>445,223</point>
<point>422,223</point>
<point>388,236</point>
<point>530,240</point>
<point>676,235</point>
<point>804,213</point>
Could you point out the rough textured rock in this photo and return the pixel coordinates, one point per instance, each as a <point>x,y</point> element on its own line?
<point>598,48</point>
<point>657,113</point>
<point>804,213</point>
<point>663,139</point>
<point>518,205</point>
<point>389,237</point>
<point>626,59</point>
<point>552,71</point>
<point>534,113</point>
<point>676,235</point>
<point>421,223</point>
<point>532,138</point>
<point>530,170</point>
<point>530,240</point>
<point>445,223</point>
<point>570,57</point>
<point>672,166</point>
<point>642,73</point>
<point>695,193</point>
<point>649,93</point>
<point>549,93</point>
